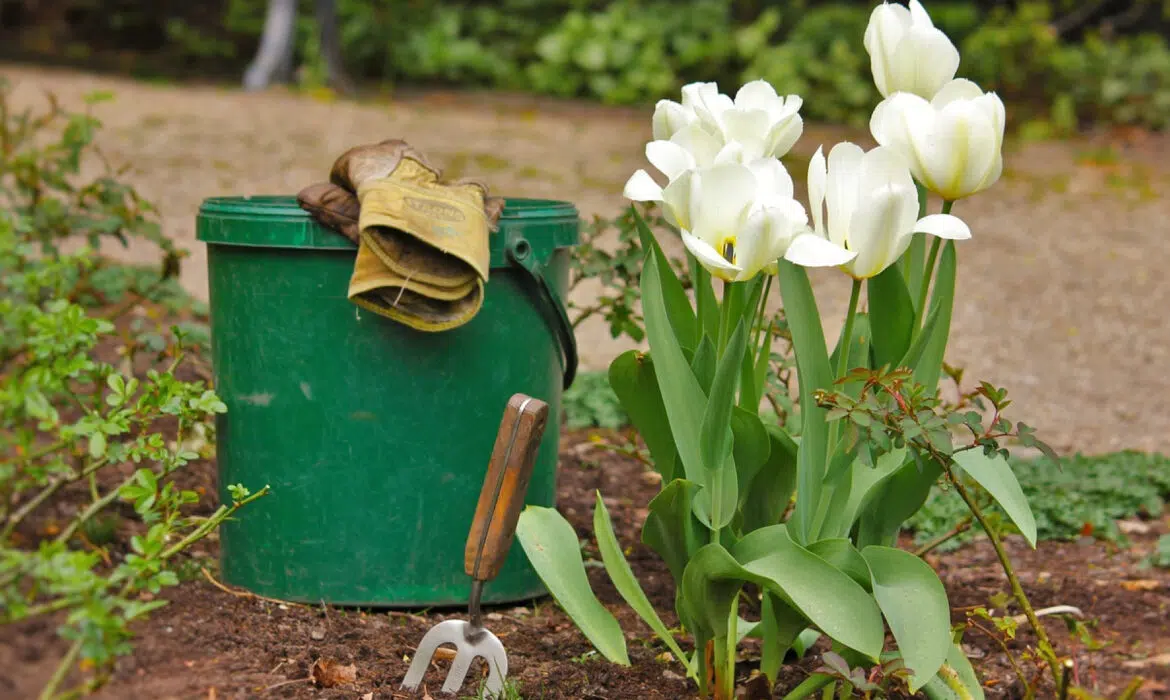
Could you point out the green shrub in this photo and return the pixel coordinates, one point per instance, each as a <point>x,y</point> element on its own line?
<point>98,412</point>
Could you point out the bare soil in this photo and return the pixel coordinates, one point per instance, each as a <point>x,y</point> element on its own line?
<point>213,643</point>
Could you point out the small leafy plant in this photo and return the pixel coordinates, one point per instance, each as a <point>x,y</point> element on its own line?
<point>99,416</point>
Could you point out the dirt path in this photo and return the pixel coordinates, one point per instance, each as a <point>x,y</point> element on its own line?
<point>1060,298</point>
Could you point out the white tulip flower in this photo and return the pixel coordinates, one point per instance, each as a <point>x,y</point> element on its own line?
<point>709,128</point>
<point>872,207</point>
<point>953,144</point>
<point>738,220</point>
<point>907,53</point>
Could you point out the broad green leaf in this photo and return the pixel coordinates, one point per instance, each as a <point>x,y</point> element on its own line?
<point>703,363</point>
<point>929,367</point>
<point>715,502</point>
<point>710,586</point>
<point>771,489</point>
<point>626,583</point>
<point>671,529</point>
<point>891,312</point>
<point>918,347</point>
<point>915,605</point>
<point>750,448</point>
<point>705,301</point>
<point>868,481</point>
<point>805,641</point>
<point>781,626</point>
<point>995,474</point>
<point>675,300</point>
<point>827,596</point>
<point>631,375</point>
<point>841,553</point>
<point>555,553</point>
<point>681,394</point>
<point>813,371</point>
<point>715,436</point>
<point>899,496</point>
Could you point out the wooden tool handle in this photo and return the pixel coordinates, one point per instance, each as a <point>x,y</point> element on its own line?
<point>504,486</point>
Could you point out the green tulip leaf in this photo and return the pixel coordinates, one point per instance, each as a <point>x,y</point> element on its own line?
<point>813,371</point>
<point>631,375</point>
<point>682,396</point>
<point>928,369</point>
<point>841,553</point>
<point>671,529</point>
<point>827,596</point>
<point>892,318</point>
<point>626,583</point>
<point>770,490</point>
<point>675,300</point>
<point>555,553</point>
<point>914,603</point>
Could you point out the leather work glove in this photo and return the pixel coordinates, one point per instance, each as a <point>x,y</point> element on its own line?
<point>423,253</point>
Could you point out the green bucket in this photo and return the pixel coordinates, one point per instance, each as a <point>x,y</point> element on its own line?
<point>374,437</point>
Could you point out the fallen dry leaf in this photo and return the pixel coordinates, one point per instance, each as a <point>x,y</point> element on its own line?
<point>329,674</point>
<point>1159,660</point>
<point>1141,585</point>
<point>368,696</point>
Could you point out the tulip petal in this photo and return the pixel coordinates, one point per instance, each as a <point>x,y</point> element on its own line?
<point>703,146</point>
<point>887,24</point>
<point>881,229</point>
<point>924,62</point>
<point>816,190</point>
<point>810,250</point>
<point>669,117</point>
<point>918,15</point>
<point>757,94</point>
<point>726,193</point>
<point>842,190</point>
<point>679,199</point>
<point>963,150</point>
<point>773,183</point>
<point>709,258</point>
<point>670,158</point>
<point>783,136</point>
<point>749,127</point>
<point>761,241</point>
<point>944,226</point>
<point>642,188</point>
<point>905,123</point>
<point>957,89</point>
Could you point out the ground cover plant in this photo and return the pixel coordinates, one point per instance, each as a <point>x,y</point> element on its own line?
<point>87,441</point>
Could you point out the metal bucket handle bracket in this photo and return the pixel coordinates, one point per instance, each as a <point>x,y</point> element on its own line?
<point>551,307</point>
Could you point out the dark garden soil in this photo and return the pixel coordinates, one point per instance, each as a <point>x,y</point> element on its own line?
<point>214,643</point>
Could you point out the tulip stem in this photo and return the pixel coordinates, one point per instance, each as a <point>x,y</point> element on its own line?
<point>847,334</point>
<point>930,261</point>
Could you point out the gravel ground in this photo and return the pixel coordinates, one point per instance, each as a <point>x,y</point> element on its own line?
<point>1060,300</point>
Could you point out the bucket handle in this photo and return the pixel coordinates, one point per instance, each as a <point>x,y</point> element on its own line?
<point>520,254</point>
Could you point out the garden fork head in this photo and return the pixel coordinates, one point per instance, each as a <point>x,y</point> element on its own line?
<point>492,528</point>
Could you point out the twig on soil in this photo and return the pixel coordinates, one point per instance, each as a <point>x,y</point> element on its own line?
<point>284,683</point>
<point>245,594</point>
<point>963,526</point>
